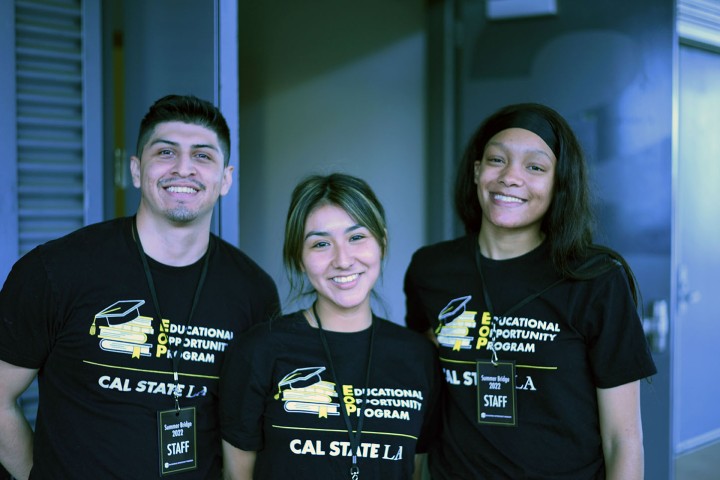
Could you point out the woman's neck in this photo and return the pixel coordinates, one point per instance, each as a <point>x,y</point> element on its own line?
<point>336,319</point>
<point>502,245</point>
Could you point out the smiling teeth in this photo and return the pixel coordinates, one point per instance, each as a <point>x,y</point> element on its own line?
<point>347,279</point>
<point>181,190</point>
<point>504,198</point>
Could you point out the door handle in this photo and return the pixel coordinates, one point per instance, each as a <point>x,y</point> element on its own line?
<point>685,295</point>
<point>657,326</point>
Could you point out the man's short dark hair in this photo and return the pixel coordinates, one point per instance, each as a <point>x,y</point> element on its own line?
<point>186,109</point>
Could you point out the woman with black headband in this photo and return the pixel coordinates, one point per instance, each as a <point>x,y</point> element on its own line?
<point>330,391</point>
<point>537,327</point>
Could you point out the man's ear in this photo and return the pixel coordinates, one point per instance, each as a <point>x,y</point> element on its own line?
<point>227,180</point>
<point>135,170</point>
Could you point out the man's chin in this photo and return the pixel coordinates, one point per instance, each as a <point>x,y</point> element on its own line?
<point>181,215</point>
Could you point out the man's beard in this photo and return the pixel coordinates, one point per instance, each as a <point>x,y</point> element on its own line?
<point>181,214</point>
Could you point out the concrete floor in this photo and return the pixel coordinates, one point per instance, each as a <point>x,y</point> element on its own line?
<point>701,464</point>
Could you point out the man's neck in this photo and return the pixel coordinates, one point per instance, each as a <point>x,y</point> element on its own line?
<point>173,244</point>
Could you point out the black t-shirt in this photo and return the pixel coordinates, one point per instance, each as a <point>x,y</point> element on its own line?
<point>278,398</point>
<point>574,338</point>
<point>79,309</point>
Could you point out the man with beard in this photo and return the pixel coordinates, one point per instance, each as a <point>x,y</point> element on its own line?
<point>125,323</point>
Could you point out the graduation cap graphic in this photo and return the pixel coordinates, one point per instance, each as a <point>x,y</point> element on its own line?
<point>453,309</point>
<point>455,322</point>
<point>123,329</point>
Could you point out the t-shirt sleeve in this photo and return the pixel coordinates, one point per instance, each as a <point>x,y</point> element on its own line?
<point>617,348</point>
<point>415,316</point>
<point>272,302</point>
<point>269,300</point>
<point>244,387</point>
<point>27,318</point>
<point>432,421</point>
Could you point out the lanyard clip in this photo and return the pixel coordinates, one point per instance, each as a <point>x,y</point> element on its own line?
<point>176,392</point>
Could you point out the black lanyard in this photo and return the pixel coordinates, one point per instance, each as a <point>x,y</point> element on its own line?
<point>354,437</point>
<point>489,305</point>
<point>203,273</point>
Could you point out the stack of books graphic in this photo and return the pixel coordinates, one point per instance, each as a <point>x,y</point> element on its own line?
<point>304,391</point>
<point>123,329</point>
<point>455,333</point>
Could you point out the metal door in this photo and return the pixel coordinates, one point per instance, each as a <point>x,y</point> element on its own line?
<point>697,251</point>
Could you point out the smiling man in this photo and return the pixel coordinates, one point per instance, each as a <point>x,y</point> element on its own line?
<point>126,322</point>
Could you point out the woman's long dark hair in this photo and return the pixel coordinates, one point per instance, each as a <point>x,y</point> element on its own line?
<point>569,222</point>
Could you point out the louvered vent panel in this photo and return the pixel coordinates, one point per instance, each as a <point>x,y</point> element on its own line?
<point>699,21</point>
<point>49,96</point>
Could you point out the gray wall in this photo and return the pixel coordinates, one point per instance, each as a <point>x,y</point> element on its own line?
<point>332,86</point>
<point>167,48</point>
<point>324,86</point>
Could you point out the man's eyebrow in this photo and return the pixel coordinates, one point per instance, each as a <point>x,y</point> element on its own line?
<point>162,140</point>
<point>177,144</point>
<point>204,145</point>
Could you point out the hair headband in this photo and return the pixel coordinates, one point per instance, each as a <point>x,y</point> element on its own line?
<point>528,120</point>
